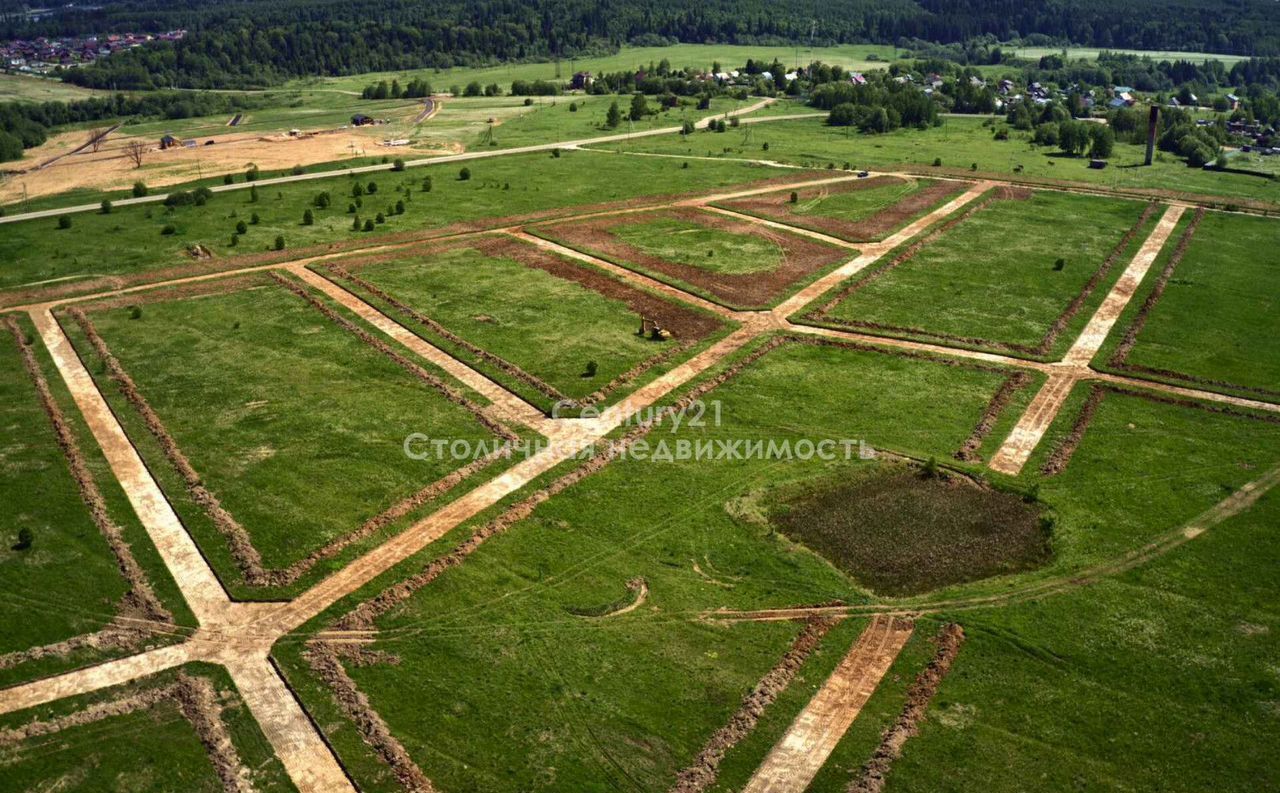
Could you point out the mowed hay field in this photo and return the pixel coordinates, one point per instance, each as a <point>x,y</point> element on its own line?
<point>295,425</point>
<point>992,278</point>
<point>560,689</point>
<point>1206,322</point>
<point>141,737</point>
<point>546,327</point>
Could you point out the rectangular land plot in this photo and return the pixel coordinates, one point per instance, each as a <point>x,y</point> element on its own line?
<point>738,263</point>
<point>1207,315</point>
<point>182,730</point>
<point>277,432</point>
<point>990,277</point>
<point>533,320</point>
<point>858,211</point>
<point>578,663</point>
<point>72,557</point>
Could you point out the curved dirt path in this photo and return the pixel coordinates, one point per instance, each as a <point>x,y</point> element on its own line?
<point>801,752</point>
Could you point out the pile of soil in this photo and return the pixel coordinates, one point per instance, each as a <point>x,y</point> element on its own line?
<point>902,532</point>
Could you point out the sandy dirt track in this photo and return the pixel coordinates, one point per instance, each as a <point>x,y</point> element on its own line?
<point>795,760</point>
<point>239,635</point>
<point>1031,427</point>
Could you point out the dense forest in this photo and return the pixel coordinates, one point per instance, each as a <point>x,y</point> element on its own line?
<point>245,43</point>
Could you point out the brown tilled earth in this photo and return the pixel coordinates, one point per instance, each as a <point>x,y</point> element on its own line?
<point>778,207</point>
<point>802,257</point>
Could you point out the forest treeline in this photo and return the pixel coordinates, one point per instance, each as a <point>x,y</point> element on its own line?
<point>253,43</point>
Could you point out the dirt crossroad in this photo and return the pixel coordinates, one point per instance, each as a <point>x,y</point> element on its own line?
<point>239,635</point>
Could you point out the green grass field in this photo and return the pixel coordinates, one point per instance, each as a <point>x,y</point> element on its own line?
<point>297,460</point>
<point>700,56</point>
<point>960,143</point>
<point>1091,53</point>
<point>822,208</point>
<point>549,326</point>
<point>39,254</point>
<point>26,88</point>
<point>615,681</point>
<point>993,280</point>
<point>1067,689</point>
<point>39,494</point>
<point>703,247</point>
<point>152,749</point>
<point>1208,328</point>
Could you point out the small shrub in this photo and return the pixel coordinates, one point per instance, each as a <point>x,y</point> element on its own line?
<point>931,468</point>
<point>308,218</point>
<point>25,538</point>
<point>235,240</point>
<point>254,219</point>
<point>684,166</point>
<point>64,221</point>
<point>555,154</point>
<point>399,207</point>
<point>251,173</point>
<point>1059,265</point>
<point>591,369</point>
<point>426,184</point>
<point>106,207</point>
<point>135,312</point>
<point>297,170</point>
<point>242,227</point>
<point>322,200</point>
<point>351,209</point>
<point>464,174</point>
<point>368,225</point>
<point>973,167</point>
<point>528,101</point>
<point>372,188</point>
<point>573,107</point>
<point>169,229</point>
<point>355,223</point>
<point>253,194</point>
<point>279,242</point>
<point>764,146</point>
<point>398,165</point>
<point>795,197</point>
<point>380,218</point>
<point>139,189</point>
<point>228,179</point>
<point>937,162</point>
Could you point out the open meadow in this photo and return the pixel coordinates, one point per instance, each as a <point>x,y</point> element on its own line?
<point>686,461</point>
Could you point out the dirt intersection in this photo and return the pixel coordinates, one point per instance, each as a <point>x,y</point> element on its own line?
<point>240,635</point>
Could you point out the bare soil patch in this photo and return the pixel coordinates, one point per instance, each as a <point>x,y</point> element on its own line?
<point>902,532</point>
<point>802,257</point>
<point>778,206</point>
<point>110,168</point>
